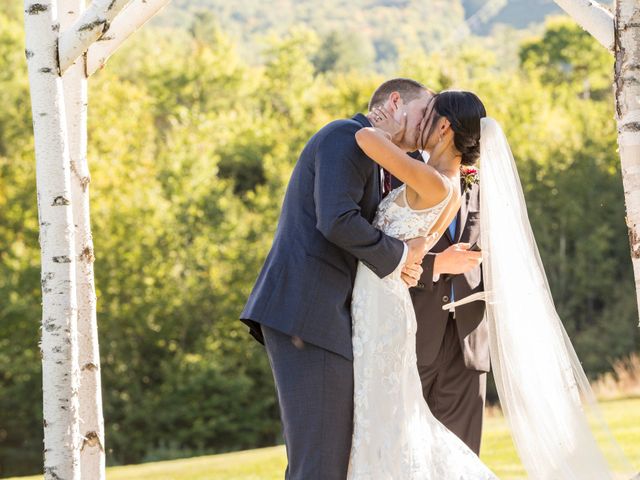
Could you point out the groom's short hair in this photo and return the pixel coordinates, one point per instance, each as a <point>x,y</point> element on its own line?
<point>408,89</point>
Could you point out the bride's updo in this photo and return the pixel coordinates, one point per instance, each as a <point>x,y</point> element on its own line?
<point>463,110</point>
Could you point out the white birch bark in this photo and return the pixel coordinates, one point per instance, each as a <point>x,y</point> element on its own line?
<point>623,37</point>
<point>593,17</point>
<point>59,336</point>
<point>63,210</point>
<point>136,14</point>
<point>92,452</point>
<point>93,23</point>
<point>627,91</point>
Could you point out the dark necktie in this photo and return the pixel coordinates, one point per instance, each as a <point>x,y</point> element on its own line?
<point>386,187</point>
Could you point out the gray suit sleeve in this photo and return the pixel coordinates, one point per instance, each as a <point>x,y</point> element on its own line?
<point>341,173</point>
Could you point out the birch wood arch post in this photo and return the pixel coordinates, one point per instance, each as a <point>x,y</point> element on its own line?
<point>620,34</point>
<point>59,313</point>
<point>91,426</point>
<point>58,35</point>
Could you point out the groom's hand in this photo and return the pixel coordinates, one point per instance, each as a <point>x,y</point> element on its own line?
<point>411,274</point>
<point>456,259</point>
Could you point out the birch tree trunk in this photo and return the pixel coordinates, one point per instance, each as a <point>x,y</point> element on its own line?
<point>59,312</point>
<point>627,91</point>
<point>621,34</point>
<point>136,14</point>
<point>92,454</point>
<point>71,396</point>
<point>93,23</point>
<point>593,17</point>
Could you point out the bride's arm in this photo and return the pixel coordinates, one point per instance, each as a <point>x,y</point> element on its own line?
<point>422,178</point>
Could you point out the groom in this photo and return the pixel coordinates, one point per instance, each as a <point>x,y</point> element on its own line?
<point>300,305</point>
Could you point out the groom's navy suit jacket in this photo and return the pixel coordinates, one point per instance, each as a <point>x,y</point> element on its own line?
<point>304,288</point>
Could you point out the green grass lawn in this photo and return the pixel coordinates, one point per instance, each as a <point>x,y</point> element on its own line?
<point>498,452</point>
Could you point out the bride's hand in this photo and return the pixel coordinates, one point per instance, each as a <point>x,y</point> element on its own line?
<point>383,120</point>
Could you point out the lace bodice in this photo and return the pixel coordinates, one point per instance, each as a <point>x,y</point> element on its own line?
<point>397,219</point>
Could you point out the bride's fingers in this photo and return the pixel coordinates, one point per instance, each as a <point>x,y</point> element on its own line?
<point>432,238</point>
<point>380,116</point>
<point>384,113</point>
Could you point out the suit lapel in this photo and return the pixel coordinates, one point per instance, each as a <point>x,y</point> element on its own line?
<point>462,215</point>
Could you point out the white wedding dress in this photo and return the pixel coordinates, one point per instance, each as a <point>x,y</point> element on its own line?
<point>395,435</point>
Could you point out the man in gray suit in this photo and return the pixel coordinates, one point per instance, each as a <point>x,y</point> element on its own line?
<point>300,304</point>
<point>453,349</point>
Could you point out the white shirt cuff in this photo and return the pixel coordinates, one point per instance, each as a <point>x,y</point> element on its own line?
<point>405,254</point>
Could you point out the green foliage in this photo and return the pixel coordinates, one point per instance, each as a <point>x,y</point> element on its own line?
<point>342,52</point>
<point>20,368</point>
<point>190,151</point>
<point>568,55</point>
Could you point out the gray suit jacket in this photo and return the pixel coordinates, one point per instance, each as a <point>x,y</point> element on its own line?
<point>305,285</point>
<point>429,297</point>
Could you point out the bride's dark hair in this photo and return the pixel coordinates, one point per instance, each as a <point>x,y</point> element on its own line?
<point>463,110</point>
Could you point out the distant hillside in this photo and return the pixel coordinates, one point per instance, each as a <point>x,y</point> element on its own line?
<point>518,14</point>
<point>382,26</point>
<point>256,16</point>
<point>378,29</point>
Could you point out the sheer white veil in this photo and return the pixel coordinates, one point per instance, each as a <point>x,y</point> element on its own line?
<point>545,395</point>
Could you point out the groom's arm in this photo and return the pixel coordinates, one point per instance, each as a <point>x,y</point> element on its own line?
<point>341,173</point>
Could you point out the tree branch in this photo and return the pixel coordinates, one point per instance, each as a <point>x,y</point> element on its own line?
<point>137,13</point>
<point>89,27</point>
<point>593,17</point>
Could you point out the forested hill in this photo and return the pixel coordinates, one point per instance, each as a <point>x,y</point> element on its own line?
<point>377,29</point>
<point>263,15</point>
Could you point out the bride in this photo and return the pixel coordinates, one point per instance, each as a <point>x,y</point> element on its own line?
<point>395,435</point>
<point>552,413</point>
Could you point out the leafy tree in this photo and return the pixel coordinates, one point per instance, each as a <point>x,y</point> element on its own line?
<point>567,55</point>
<point>341,52</point>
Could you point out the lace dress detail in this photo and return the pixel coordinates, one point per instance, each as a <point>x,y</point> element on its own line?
<point>395,436</point>
<point>397,219</point>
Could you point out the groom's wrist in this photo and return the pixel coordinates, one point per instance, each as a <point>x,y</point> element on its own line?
<point>405,254</point>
